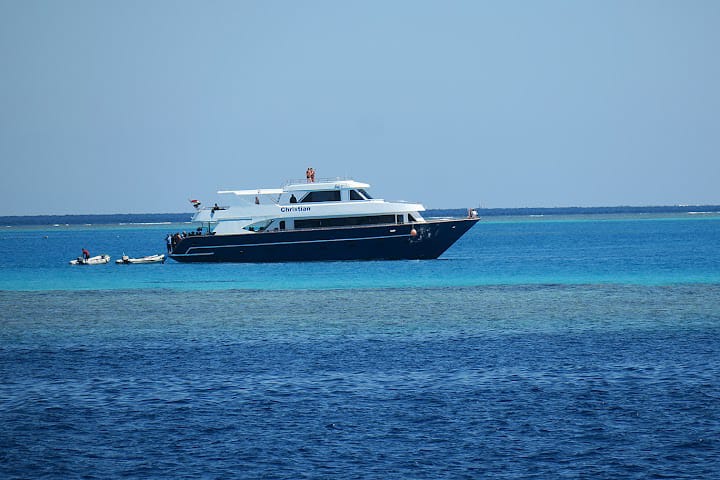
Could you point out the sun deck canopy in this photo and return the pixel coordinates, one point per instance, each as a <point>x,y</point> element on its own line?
<point>299,187</point>
<point>259,191</point>
<point>324,185</point>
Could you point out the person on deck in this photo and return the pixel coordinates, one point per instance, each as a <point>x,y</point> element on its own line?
<point>85,253</point>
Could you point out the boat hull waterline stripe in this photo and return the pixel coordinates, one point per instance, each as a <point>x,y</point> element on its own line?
<point>285,243</point>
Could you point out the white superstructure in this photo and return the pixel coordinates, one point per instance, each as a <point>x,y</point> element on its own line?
<point>301,205</point>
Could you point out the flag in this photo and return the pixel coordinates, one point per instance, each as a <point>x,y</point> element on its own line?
<point>195,203</point>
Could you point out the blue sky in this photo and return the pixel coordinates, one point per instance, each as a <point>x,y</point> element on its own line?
<point>136,106</point>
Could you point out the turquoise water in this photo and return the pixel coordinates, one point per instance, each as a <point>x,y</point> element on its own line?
<point>544,347</point>
<point>636,250</point>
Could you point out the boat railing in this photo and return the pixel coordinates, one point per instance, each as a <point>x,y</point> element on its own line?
<point>317,180</point>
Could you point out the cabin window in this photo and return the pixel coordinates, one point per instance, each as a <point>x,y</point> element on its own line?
<point>354,195</point>
<point>411,218</point>
<point>258,226</point>
<point>400,219</point>
<point>322,196</point>
<point>344,221</point>
<point>364,193</point>
<point>282,224</point>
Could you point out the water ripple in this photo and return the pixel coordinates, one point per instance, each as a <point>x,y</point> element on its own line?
<point>538,382</point>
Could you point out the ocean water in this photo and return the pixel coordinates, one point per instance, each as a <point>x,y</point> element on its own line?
<point>543,347</point>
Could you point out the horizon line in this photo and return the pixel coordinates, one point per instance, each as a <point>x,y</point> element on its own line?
<point>574,207</point>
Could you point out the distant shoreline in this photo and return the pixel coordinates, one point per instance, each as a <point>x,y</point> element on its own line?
<point>159,218</point>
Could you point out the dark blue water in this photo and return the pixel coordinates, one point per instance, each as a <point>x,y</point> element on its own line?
<point>533,348</point>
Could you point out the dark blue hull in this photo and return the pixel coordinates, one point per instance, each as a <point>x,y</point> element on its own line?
<point>377,242</point>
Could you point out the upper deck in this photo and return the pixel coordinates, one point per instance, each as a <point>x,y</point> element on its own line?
<point>299,202</point>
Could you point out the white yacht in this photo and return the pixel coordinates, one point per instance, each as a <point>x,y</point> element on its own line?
<point>331,219</point>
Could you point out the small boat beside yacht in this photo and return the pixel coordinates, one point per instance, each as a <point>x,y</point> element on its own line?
<point>126,260</point>
<point>96,260</point>
<point>331,219</point>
